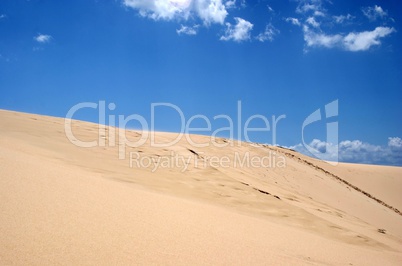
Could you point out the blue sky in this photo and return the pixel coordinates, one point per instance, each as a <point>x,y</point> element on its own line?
<point>276,57</point>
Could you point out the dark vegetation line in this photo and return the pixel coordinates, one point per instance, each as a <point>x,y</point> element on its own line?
<point>261,191</point>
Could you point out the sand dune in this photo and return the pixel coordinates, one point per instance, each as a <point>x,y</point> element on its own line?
<point>63,204</point>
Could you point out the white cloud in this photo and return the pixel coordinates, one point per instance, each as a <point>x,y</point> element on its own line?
<point>318,13</point>
<point>360,41</point>
<point>270,9</point>
<point>209,11</point>
<point>268,34</point>
<point>43,38</point>
<point>315,17</point>
<point>306,6</point>
<point>342,18</point>
<point>2,16</point>
<point>239,32</point>
<point>230,4</point>
<point>357,151</point>
<point>313,22</point>
<point>313,39</point>
<point>294,21</point>
<point>395,143</point>
<point>318,26</point>
<point>374,12</point>
<point>157,9</point>
<point>187,30</point>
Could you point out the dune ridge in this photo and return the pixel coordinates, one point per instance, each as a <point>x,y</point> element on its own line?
<point>64,204</point>
<point>318,168</point>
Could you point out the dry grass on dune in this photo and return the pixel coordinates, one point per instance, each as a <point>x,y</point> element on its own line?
<point>62,204</point>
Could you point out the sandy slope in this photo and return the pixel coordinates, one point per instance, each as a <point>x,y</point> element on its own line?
<point>62,204</point>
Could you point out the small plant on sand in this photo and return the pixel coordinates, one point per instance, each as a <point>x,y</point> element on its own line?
<point>382,231</point>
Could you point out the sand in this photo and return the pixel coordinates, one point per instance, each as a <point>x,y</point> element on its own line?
<point>63,204</point>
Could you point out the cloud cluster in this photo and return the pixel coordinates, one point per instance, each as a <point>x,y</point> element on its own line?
<point>209,11</point>
<point>316,24</point>
<point>356,151</point>
<point>305,6</point>
<point>239,32</point>
<point>233,4</point>
<point>314,19</point>
<point>343,18</point>
<point>395,143</point>
<point>188,30</point>
<point>269,34</point>
<point>374,12</point>
<point>354,41</point>
<point>294,21</point>
<point>362,41</point>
